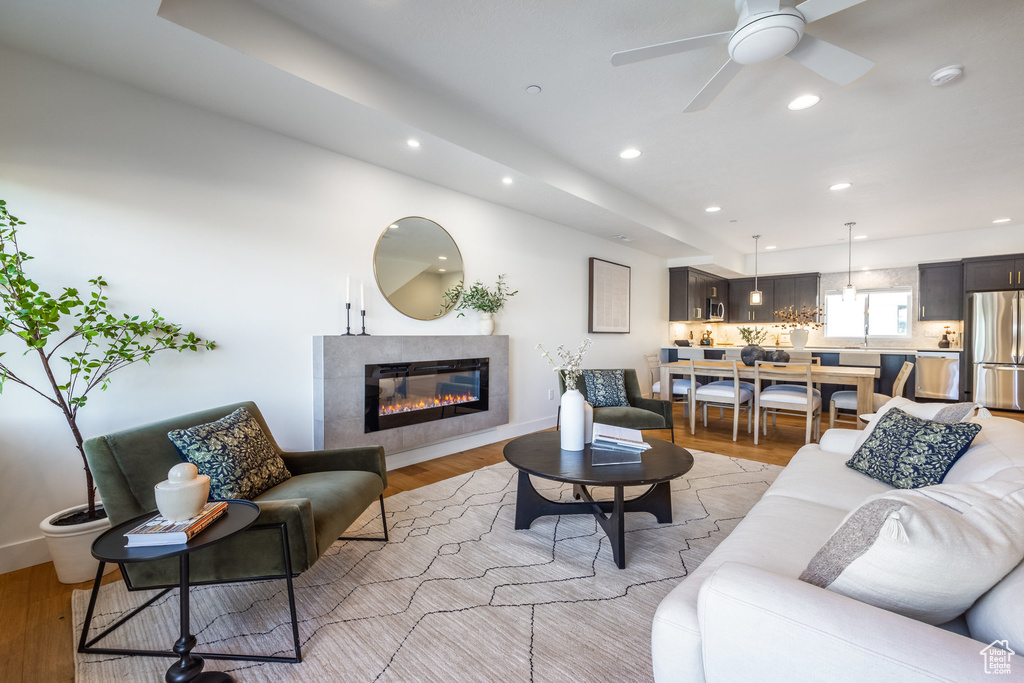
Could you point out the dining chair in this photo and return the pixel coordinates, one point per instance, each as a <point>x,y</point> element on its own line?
<point>847,400</point>
<point>727,393</point>
<point>797,395</point>
<point>680,386</point>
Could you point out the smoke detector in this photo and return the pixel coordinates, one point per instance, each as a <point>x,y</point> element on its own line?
<point>947,74</point>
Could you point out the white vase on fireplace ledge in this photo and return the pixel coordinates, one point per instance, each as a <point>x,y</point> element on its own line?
<point>486,323</point>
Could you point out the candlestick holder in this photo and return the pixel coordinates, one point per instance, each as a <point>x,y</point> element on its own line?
<point>348,320</point>
<point>363,333</point>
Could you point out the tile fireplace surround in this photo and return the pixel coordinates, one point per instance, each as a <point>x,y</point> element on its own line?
<point>339,375</point>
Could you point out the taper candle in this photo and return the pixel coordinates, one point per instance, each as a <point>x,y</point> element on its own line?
<point>362,301</point>
<point>348,297</point>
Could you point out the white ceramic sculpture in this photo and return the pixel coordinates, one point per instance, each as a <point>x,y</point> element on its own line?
<point>182,495</point>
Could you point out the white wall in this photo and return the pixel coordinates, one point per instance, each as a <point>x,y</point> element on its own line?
<point>245,237</point>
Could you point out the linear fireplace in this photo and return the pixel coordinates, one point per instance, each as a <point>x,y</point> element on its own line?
<point>401,394</point>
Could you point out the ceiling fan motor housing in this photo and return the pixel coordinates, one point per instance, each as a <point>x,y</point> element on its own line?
<point>767,36</point>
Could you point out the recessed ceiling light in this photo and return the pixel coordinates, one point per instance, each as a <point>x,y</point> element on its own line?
<point>533,89</point>
<point>946,74</point>
<point>412,142</point>
<point>866,268</point>
<point>1001,220</point>
<point>630,153</point>
<point>507,180</point>
<point>443,258</point>
<point>441,270</point>
<point>622,238</point>
<point>839,186</point>
<point>803,102</point>
<point>860,237</point>
<point>769,248</point>
<point>713,209</point>
<point>393,226</point>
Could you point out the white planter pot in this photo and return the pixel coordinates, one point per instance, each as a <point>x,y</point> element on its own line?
<point>486,323</point>
<point>70,547</point>
<point>798,336</point>
<point>573,417</point>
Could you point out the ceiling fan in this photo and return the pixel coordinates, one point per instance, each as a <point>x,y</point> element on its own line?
<point>766,30</point>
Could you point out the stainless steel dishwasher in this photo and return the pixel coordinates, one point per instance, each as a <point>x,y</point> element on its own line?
<point>937,375</point>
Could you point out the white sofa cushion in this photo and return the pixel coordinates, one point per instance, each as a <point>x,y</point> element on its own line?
<point>997,614</point>
<point>822,477</point>
<point>928,553</point>
<point>999,446</point>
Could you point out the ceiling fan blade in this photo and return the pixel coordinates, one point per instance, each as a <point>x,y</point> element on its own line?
<point>762,6</point>
<point>834,63</point>
<point>819,9</point>
<point>639,54</point>
<point>714,87</point>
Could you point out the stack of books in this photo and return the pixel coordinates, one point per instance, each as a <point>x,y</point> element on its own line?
<point>161,531</point>
<point>616,445</point>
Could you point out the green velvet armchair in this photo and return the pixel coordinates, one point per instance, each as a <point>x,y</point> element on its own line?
<point>327,492</point>
<point>641,413</point>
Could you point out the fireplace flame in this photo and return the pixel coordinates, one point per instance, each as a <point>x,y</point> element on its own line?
<point>409,406</point>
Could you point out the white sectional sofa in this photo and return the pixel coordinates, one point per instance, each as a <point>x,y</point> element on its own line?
<point>744,616</point>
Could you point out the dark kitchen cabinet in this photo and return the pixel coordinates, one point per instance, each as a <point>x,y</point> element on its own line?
<point>941,290</point>
<point>689,290</point>
<point>798,291</point>
<point>983,275</point>
<point>740,310</point>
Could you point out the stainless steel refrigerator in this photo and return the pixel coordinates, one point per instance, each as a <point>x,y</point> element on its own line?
<point>998,349</point>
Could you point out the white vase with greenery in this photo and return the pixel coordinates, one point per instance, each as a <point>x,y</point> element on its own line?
<point>478,298</point>
<point>572,407</point>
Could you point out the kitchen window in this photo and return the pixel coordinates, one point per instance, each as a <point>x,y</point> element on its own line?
<point>874,313</point>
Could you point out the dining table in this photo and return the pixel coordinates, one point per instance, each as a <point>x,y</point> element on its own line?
<point>861,377</point>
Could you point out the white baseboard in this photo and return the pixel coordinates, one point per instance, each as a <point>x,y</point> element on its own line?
<point>14,556</point>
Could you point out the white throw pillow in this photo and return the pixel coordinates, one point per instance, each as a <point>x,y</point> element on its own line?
<point>927,553</point>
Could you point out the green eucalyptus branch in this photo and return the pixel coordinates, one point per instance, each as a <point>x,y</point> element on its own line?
<point>477,297</point>
<point>105,342</point>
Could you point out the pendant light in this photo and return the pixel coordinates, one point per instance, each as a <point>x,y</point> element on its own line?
<point>850,292</point>
<point>755,294</point>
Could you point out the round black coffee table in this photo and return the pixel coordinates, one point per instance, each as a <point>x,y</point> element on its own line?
<point>541,455</point>
<point>111,547</point>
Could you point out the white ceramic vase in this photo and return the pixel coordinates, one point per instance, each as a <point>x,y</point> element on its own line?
<point>486,323</point>
<point>183,494</point>
<point>798,336</point>
<point>573,417</point>
<point>70,547</point>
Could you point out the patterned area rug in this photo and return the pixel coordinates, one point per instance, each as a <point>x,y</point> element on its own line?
<point>457,595</point>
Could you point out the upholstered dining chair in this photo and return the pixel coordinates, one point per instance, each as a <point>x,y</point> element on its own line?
<point>636,412</point>
<point>728,393</point>
<point>796,395</point>
<point>306,513</point>
<point>680,385</point>
<point>847,400</point>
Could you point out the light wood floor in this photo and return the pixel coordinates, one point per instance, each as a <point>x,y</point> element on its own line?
<point>35,609</point>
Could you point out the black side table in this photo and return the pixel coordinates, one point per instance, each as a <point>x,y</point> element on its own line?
<point>110,547</point>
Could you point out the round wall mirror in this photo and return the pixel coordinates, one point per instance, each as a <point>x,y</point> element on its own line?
<point>416,261</point>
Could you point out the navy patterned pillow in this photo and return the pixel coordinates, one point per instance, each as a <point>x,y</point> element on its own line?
<point>606,388</point>
<point>235,453</point>
<point>908,452</point>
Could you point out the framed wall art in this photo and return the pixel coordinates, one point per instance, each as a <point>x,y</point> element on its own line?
<point>609,297</point>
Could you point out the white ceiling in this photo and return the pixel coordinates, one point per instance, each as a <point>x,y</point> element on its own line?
<point>360,77</point>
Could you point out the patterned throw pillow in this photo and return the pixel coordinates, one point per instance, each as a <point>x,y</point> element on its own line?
<point>606,388</point>
<point>235,453</point>
<point>908,452</point>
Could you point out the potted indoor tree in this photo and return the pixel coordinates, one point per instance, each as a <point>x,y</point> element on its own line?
<point>78,345</point>
<point>479,298</point>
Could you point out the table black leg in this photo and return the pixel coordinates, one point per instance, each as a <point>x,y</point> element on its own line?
<point>189,668</point>
<point>616,529</point>
<point>530,505</point>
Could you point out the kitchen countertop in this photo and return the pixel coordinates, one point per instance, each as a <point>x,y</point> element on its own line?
<point>829,349</point>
